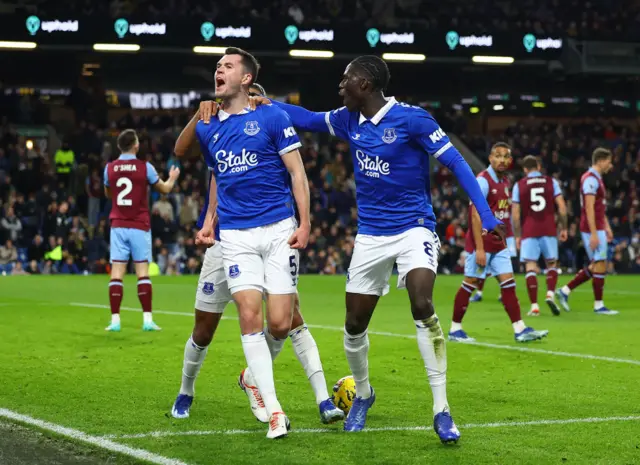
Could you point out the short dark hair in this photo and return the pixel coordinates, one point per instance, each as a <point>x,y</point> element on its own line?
<point>376,70</point>
<point>249,62</point>
<point>498,145</point>
<point>530,162</point>
<point>600,154</point>
<point>260,89</point>
<point>127,139</point>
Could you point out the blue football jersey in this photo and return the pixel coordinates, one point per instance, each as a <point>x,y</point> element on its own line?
<point>390,164</point>
<point>244,151</point>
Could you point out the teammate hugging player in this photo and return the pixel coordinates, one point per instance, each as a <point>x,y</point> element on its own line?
<point>212,296</point>
<point>487,253</point>
<point>533,214</point>
<point>125,182</point>
<point>396,223</point>
<point>596,232</point>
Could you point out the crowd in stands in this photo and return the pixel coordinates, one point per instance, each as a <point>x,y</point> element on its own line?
<point>597,19</point>
<point>54,216</point>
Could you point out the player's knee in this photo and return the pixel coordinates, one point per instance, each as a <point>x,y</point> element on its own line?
<point>551,263</point>
<point>422,307</point>
<point>202,335</point>
<point>470,280</point>
<point>297,319</point>
<point>353,326</point>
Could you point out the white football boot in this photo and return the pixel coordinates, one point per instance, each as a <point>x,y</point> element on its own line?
<point>279,426</point>
<point>255,399</point>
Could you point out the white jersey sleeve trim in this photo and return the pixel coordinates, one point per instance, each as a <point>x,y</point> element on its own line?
<point>443,149</point>
<point>328,121</point>
<point>290,148</point>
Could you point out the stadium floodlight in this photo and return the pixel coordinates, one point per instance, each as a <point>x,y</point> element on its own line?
<point>404,57</point>
<point>116,47</point>
<point>492,60</point>
<point>498,107</point>
<point>209,50</point>
<point>17,45</point>
<point>311,53</point>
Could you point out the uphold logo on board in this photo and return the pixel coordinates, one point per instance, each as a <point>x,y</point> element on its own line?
<point>34,25</point>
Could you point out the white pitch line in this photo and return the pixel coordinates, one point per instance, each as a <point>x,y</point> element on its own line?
<point>161,434</point>
<point>410,336</point>
<point>101,442</point>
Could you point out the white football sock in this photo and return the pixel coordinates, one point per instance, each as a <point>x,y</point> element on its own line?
<point>115,318</point>
<point>193,357</point>
<point>434,353</point>
<point>256,351</point>
<point>535,307</point>
<point>356,347</point>
<point>598,304</point>
<point>455,327</point>
<point>147,317</point>
<point>566,290</point>
<point>549,295</point>
<point>518,326</point>
<point>275,344</point>
<point>308,355</point>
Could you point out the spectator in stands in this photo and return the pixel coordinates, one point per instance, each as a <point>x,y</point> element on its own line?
<point>69,266</point>
<point>94,190</point>
<point>36,250</point>
<point>33,267</point>
<point>164,208</point>
<point>8,257</point>
<point>63,222</point>
<point>18,270</point>
<point>10,226</point>
<point>65,162</point>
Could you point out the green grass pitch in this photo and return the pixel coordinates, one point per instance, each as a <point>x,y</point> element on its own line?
<point>58,364</point>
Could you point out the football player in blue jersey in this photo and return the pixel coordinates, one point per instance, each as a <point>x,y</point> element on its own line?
<point>390,142</point>
<point>252,154</point>
<point>212,296</point>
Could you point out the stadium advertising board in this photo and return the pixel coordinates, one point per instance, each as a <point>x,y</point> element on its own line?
<point>274,37</point>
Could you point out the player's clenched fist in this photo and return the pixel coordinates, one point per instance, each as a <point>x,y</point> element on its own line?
<point>205,237</point>
<point>300,237</point>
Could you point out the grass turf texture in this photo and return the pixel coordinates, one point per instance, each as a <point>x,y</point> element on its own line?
<point>58,364</point>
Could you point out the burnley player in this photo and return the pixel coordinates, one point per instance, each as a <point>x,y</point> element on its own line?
<point>126,182</point>
<point>396,223</point>
<point>488,253</point>
<point>212,296</point>
<point>596,232</point>
<point>253,154</point>
<point>535,198</point>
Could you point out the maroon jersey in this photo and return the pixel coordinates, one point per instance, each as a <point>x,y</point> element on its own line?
<point>537,206</point>
<point>593,185</point>
<point>499,201</point>
<point>129,179</point>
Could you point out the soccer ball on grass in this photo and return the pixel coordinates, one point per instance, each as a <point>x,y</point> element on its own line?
<point>344,392</point>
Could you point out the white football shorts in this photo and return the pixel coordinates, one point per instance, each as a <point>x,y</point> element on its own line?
<point>212,294</point>
<point>260,258</point>
<point>374,256</point>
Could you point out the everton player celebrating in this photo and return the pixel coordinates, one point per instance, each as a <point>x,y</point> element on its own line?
<point>390,143</point>
<point>535,198</point>
<point>253,154</point>
<point>126,182</point>
<point>212,296</point>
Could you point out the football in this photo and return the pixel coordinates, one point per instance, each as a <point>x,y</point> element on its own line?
<point>344,391</point>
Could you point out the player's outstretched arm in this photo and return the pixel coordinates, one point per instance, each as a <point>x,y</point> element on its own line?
<point>426,132</point>
<point>306,120</point>
<point>185,146</point>
<point>300,188</point>
<point>164,187</point>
